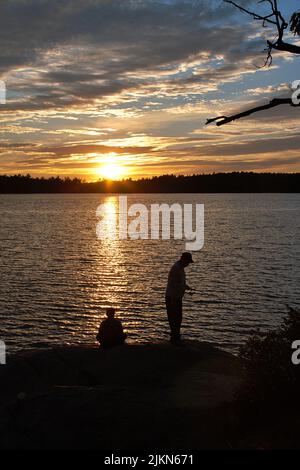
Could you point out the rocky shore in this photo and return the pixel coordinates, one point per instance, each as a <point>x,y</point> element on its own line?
<point>132,397</point>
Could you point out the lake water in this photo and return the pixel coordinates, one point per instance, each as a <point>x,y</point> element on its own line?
<point>57,278</point>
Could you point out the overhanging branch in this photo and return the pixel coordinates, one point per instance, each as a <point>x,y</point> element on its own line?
<point>284,47</point>
<point>255,16</point>
<point>221,120</point>
<point>275,18</point>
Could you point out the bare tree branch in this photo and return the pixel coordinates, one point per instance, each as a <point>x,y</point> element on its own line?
<point>221,120</point>
<point>275,18</point>
<point>265,19</point>
<point>285,47</point>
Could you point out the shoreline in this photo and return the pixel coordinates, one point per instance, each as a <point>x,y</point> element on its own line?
<point>83,397</point>
<point>42,347</point>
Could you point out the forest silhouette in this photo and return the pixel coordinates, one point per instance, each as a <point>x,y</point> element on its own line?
<point>236,182</point>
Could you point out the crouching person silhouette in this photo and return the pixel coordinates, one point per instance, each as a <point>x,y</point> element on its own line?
<point>111,332</point>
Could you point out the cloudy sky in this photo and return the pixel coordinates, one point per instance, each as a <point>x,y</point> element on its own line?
<point>123,88</point>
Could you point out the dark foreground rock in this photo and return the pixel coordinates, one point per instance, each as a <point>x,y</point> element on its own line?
<point>131,397</point>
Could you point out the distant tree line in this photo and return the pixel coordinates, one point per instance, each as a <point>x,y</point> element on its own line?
<point>237,182</point>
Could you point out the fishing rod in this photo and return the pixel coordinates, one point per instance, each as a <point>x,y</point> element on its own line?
<point>204,301</point>
<point>216,302</point>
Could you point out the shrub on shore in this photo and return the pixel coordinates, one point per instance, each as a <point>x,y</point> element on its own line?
<point>270,374</point>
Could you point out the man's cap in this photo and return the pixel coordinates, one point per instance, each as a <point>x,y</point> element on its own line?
<point>187,257</point>
<point>110,311</point>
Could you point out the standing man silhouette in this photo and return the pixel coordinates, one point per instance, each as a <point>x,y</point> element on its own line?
<point>176,288</point>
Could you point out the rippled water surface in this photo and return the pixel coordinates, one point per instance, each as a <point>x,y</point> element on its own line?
<point>57,278</point>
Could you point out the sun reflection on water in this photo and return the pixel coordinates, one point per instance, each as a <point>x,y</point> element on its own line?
<point>111,273</point>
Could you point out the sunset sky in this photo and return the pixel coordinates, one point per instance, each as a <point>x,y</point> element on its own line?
<point>110,88</point>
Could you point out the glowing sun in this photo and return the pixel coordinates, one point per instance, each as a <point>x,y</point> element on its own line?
<point>111,171</point>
